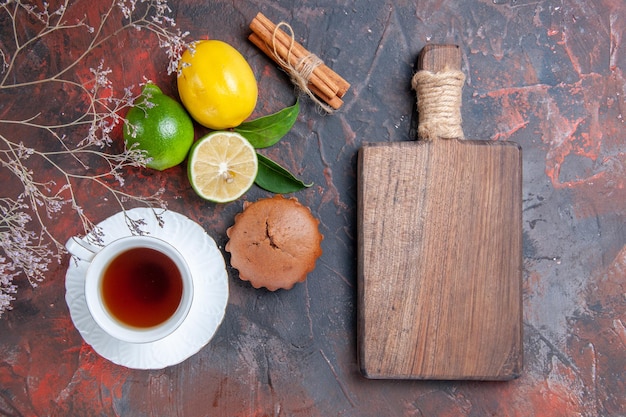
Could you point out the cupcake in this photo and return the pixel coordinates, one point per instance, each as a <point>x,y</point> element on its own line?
<point>274,242</point>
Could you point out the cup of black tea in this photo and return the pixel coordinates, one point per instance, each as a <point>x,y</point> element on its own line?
<point>138,289</point>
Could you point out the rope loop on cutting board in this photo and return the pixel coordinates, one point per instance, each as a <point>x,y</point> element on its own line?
<point>439,98</point>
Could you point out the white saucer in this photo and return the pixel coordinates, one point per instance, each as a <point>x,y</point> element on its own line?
<point>210,293</point>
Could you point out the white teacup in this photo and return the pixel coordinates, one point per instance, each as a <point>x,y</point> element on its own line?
<point>138,289</point>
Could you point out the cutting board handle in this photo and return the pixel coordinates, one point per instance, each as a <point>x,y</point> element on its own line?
<point>439,87</point>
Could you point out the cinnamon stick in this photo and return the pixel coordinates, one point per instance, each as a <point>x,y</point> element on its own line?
<point>285,51</point>
<point>330,77</point>
<point>295,49</point>
<point>332,100</point>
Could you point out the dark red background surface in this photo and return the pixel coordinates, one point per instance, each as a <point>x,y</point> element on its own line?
<point>546,74</point>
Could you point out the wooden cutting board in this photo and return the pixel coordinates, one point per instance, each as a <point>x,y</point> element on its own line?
<point>440,254</point>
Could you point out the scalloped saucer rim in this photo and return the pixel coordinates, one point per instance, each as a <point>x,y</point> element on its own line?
<point>210,295</point>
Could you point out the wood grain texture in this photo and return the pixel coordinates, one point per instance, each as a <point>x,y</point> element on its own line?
<point>440,257</point>
<point>439,57</point>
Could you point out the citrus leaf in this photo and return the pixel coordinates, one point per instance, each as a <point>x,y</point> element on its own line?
<point>267,130</point>
<point>276,179</point>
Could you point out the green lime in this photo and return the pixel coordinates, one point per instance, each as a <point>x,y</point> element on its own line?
<point>160,126</point>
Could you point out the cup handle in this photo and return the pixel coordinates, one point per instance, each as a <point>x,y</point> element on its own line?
<point>81,249</point>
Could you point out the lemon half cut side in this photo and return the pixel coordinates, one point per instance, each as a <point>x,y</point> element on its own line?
<point>222,166</point>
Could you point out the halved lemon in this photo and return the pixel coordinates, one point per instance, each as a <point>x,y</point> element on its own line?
<point>222,166</point>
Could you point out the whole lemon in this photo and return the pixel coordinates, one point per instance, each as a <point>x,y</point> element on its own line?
<point>160,126</point>
<point>216,84</point>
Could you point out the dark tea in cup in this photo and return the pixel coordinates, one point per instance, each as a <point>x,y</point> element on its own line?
<point>142,287</point>
<point>138,289</point>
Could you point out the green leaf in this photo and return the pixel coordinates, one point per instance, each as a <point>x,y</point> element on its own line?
<point>276,179</point>
<point>267,130</point>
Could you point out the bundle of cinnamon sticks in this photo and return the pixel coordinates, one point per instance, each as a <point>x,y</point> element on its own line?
<point>283,49</point>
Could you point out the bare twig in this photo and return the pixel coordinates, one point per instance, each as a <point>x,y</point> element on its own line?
<point>27,246</point>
